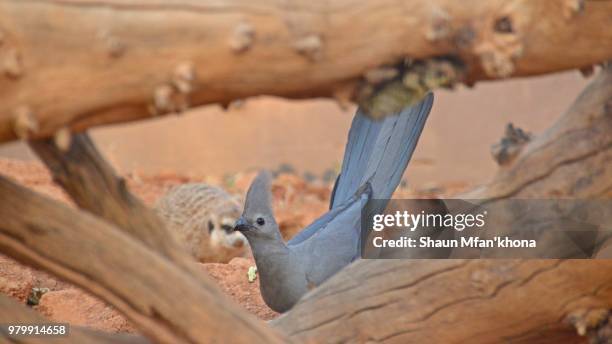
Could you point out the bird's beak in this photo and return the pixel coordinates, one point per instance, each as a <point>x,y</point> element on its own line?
<point>242,225</point>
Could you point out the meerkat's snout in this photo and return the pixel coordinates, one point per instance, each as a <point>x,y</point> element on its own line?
<point>237,240</point>
<point>223,234</point>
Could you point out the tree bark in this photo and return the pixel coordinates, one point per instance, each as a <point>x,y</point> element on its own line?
<point>486,301</point>
<point>12,312</point>
<point>452,301</point>
<point>167,304</point>
<point>77,63</point>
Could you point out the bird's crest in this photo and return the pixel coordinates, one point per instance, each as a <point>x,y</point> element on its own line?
<point>258,198</point>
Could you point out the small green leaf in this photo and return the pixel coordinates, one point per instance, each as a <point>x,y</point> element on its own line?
<point>252,273</point>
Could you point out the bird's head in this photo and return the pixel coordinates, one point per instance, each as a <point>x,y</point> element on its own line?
<point>257,220</point>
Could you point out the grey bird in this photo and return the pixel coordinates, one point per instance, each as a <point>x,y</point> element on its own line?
<point>375,158</point>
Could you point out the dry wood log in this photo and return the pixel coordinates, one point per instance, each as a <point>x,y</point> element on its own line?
<point>451,301</point>
<point>485,301</point>
<point>167,304</point>
<point>12,312</point>
<point>77,63</point>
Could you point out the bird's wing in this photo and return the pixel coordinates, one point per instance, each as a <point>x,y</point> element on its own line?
<point>335,242</point>
<point>327,218</point>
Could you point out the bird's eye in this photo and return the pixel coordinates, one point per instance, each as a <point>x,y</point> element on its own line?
<point>261,221</point>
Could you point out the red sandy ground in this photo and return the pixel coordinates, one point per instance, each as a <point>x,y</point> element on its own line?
<point>296,204</point>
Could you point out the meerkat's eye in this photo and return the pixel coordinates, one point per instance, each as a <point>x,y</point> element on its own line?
<point>227,228</point>
<point>261,221</point>
<point>211,226</point>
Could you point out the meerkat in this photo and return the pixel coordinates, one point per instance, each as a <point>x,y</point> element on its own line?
<point>202,217</point>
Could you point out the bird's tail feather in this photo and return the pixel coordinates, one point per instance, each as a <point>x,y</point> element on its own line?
<point>378,152</point>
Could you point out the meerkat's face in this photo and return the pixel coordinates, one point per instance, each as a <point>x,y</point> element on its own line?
<point>222,234</point>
